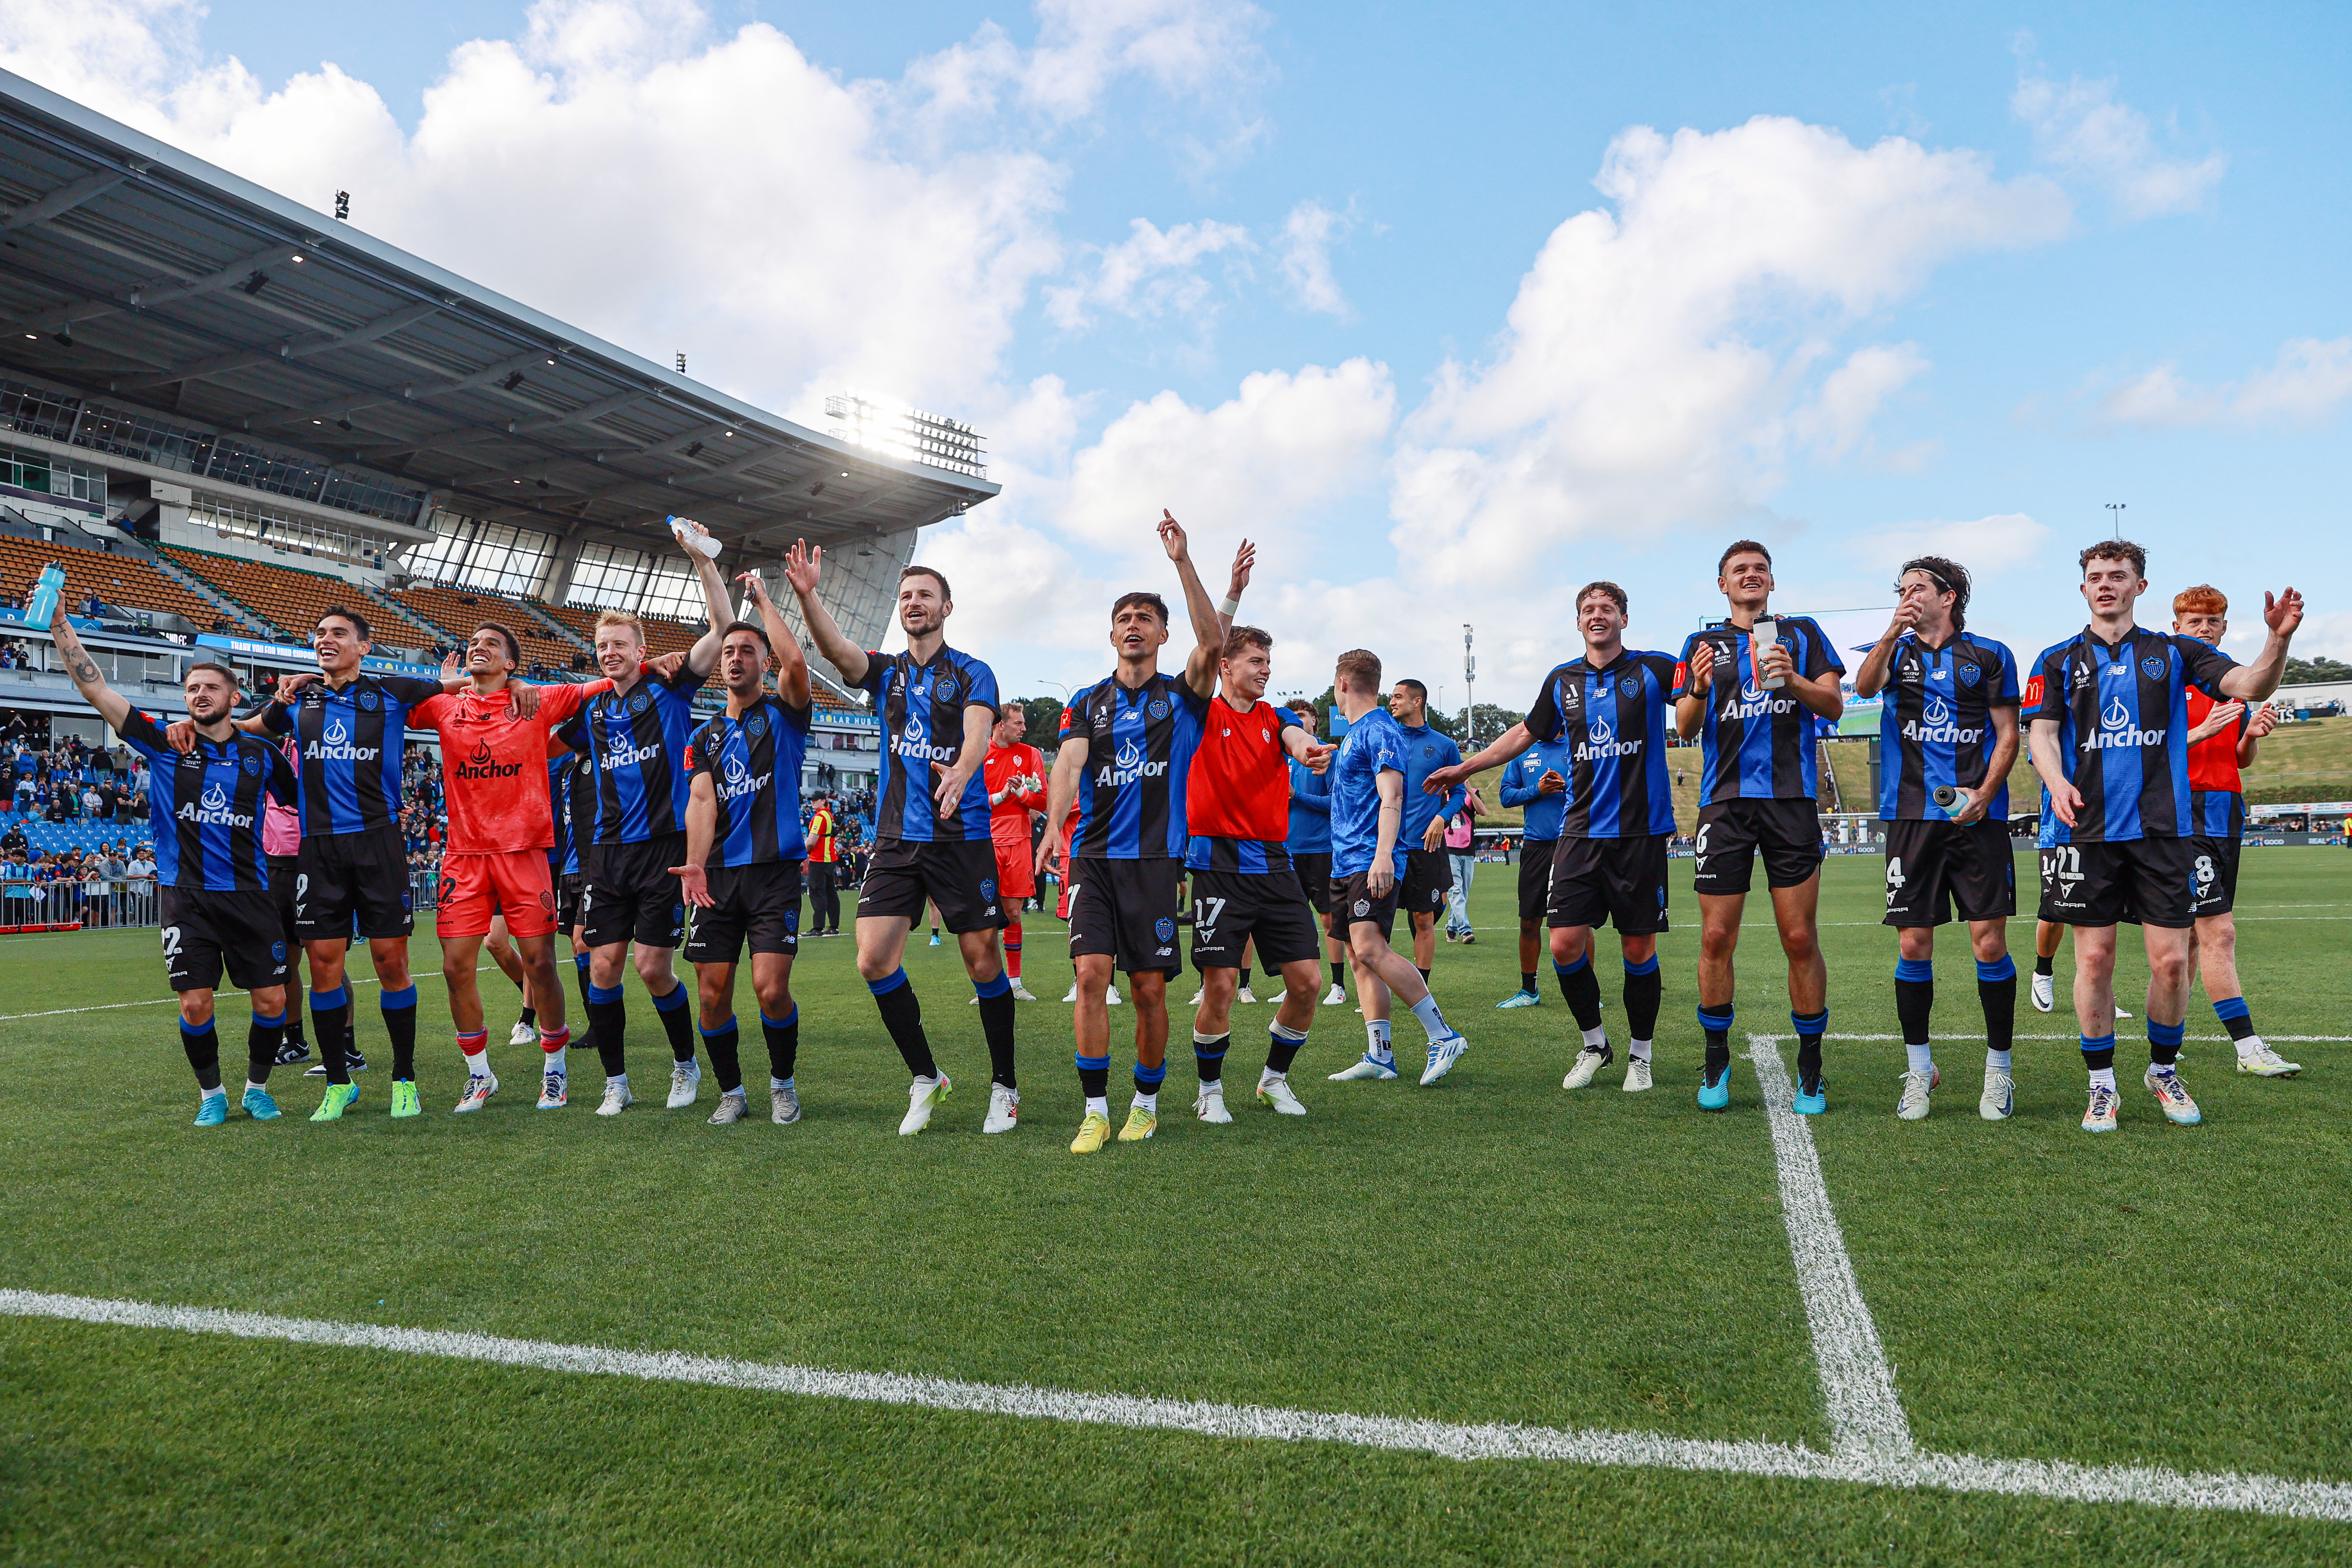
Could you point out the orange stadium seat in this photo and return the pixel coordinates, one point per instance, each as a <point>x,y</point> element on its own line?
<point>292,600</point>
<point>663,636</point>
<point>457,611</point>
<point>121,579</point>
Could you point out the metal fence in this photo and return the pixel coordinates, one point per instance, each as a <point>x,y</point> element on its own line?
<point>96,905</point>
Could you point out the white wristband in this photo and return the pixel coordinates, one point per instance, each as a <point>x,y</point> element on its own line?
<point>1228,606</point>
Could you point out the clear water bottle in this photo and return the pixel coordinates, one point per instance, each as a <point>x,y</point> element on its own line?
<point>47,590</point>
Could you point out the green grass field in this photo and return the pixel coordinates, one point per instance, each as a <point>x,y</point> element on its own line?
<point>1487,1250</point>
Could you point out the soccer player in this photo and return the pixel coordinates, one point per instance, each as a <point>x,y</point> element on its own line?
<point>1368,863</point>
<point>932,840</point>
<point>635,736</point>
<point>1125,755</point>
<point>281,841</point>
<point>216,910</point>
<point>1536,782</point>
<point>2223,738</point>
<point>571,794</point>
<point>1428,875</point>
<point>502,823</point>
<point>1015,772</point>
<point>1236,804</point>
<point>1756,788</point>
<point>2047,936</point>
<point>353,866</point>
<point>743,850</point>
<point>1608,711</point>
<point>1309,845</point>
<point>1949,720</point>
<point>824,870</point>
<point>2109,714</point>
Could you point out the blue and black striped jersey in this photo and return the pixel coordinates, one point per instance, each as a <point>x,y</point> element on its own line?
<point>1754,744</point>
<point>754,764</point>
<point>1139,745</point>
<point>2122,711</point>
<point>562,773</point>
<point>352,741</point>
<point>921,709</point>
<point>1613,722</point>
<point>205,806</point>
<point>636,744</point>
<point>1935,724</point>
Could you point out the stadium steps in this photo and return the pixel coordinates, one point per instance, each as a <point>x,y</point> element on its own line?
<point>538,612</point>
<point>206,592</point>
<point>386,601</point>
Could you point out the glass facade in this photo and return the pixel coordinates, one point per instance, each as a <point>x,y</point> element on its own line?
<point>52,476</point>
<point>465,552</point>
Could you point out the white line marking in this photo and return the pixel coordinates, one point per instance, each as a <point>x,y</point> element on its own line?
<point>2187,1040</point>
<point>1943,1472</point>
<point>1866,1414</point>
<point>158,1001</point>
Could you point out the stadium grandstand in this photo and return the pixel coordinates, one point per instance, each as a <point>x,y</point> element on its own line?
<point>222,411</point>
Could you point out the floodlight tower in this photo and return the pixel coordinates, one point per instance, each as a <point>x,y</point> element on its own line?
<point>1469,688</point>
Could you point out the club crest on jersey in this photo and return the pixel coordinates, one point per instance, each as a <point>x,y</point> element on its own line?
<point>640,701</point>
<point>1629,685</point>
<point>278,952</point>
<point>2154,668</point>
<point>1970,675</point>
<point>791,920</point>
<point>367,701</point>
<point>756,726</point>
<point>252,765</point>
<point>1157,708</point>
<point>1164,929</point>
<point>988,890</point>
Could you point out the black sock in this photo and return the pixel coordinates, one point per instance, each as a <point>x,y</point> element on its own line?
<point>580,968</point>
<point>678,1023</point>
<point>1527,981</point>
<point>1716,1024</point>
<point>1810,1029</point>
<point>1645,991</point>
<point>1094,1077</point>
<point>202,1046</point>
<point>608,1026</point>
<point>293,1032</point>
<point>2236,1017</point>
<point>399,1010</point>
<point>1997,991</point>
<point>1340,974</point>
<point>261,1041</point>
<point>1280,1051</point>
<point>783,1042</point>
<point>330,1017</point>
<point>902,1014</point>
<point>1581,987</point>
<point>996,1015</point>
<point>1209,1056</point>
<point>530,1016</point>
<point>1915,998</point>
<point>721,1044</point>
<point>1424,977</point>
<point>2042,965</point>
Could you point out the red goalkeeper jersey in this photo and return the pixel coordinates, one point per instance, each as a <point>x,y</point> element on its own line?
<point>1021,767</point>
<point>494,764</point>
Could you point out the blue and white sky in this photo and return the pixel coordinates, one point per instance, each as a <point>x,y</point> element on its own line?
<point>1451,308</point>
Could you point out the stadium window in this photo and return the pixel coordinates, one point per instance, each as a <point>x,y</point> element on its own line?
<point>607,577</point>
<point>672,589</point>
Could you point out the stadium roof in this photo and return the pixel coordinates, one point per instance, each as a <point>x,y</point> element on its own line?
<point>164,288</point>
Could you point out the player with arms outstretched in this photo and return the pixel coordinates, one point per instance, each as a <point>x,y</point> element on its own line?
<point>2108,710</point>
<point>205,808</point>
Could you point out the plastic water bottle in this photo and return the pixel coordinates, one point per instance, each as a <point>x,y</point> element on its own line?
<point>1952,800</point>
<point>42,607</point>
<point>702,542</point>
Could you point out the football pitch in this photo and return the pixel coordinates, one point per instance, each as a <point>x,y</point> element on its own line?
<point>1485,1320</point>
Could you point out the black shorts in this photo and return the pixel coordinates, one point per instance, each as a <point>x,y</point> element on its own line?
<point>340,878</point>
<point>1314,872</point>
<point>1731,831</point>
<point>1535,876</point>
<point>1229,907</point>
<point>1352,904</point>
<point>569,888</point>
<point>283,870</point>
<point>630,894</point>
<point>2144,882</point>
<point>959,875</point>
<point>204,931</point>
<point>1933,868</point>
<point>1127,909</point>
<point>1428,878</point>
<point>1620,882</point>
<point>759,901</point>
<point>2215,866</point>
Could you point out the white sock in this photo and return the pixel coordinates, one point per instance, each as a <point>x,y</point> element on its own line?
<point>1639,1050</point>
<point>2250,1047</point>
<point>249,1083</point>
<point>1148,1103</point>
<point>1268,1076</point>
<point>616,1080</point>
<point>775,1083</point>
<point>1378,1032</point>
<point>478,1064</point>
<point>1997,1060</point>
<point>1595,1039</point>
<point>554,1062</point>
<point>2103,1078</point>
<point>1430,1019</point>
<point>1098,1105</point>
<point>204,1094</point>
<point>1923,1059</point>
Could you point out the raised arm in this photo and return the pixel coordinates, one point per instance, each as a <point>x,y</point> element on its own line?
<point>1245,562</point>
<point>1208,629</point>
<point>703,657</point>
<point>1875,663</point>
<point>802,567</point>
<point>111,705</point>
<point>2256,681</point>
<point>791,673</point>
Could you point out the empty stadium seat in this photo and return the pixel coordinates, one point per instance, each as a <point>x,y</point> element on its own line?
<point>292,600</point>
<point>120,579</point>
<point>457,611</point>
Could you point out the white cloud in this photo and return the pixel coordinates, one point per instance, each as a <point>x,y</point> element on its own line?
<point>2079,127</point>
<point>2302,387</point>
<point>1659,363</point>
<point>1985,545</point>
<point>1149,273</point>
<point>1307,236</point>
<point>1183,46</point>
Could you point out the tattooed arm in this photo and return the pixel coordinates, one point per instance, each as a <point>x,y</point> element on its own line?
<point>111,705</point>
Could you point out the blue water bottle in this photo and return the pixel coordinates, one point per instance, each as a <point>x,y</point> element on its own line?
<point>43,604</point>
